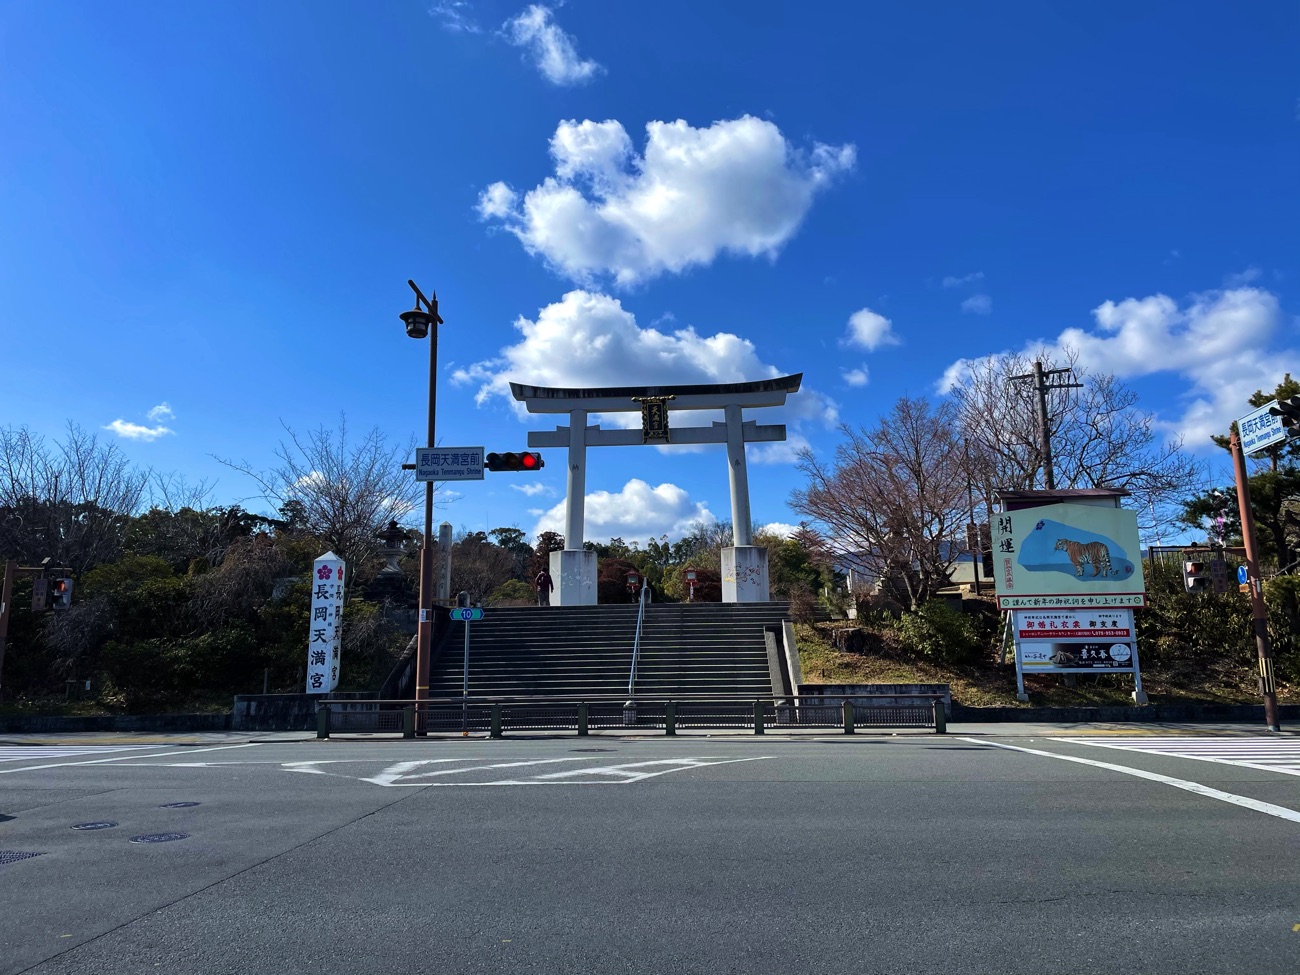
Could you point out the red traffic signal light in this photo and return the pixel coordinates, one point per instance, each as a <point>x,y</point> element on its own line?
<point>60,593</point>
<point>524,460</point>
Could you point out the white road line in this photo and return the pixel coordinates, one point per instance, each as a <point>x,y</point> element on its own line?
<point>26,753</point>
<point>1281,812</point>
<point>1266,754</point>
<point>391,775</point>
<point>123,758</point>
<point>626,773</point>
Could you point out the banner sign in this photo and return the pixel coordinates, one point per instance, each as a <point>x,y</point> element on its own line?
<point>1037,656</point>
<point>1074,626</point>
<point>1068,556</point>
<point>325,633</point>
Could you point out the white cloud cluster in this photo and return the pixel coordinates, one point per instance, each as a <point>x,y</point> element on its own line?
<point>638,511</point>
<point>455,16</point>
<point>590,339</point>
<point>978,304</point>
<point>953,281</point>
<point>551,49</point>
<point>736,186</point>
<point>1222,343</point>
<point>869,330</point>
<point>138,431</point>
<point>856,377</point>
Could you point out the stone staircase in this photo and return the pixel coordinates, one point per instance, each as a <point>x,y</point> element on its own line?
<point>687,649</point>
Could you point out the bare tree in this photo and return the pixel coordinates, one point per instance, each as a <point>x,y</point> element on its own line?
<point>1100,437</point>
<point>340,490</point>
<point>894,501</point>
<point>70,501</point>
<point>478,567</point>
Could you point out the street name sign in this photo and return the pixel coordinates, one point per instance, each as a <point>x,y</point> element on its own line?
<point>449,464</point>
<point>1260,430</point>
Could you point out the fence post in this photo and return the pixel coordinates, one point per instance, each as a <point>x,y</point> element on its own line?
<point>582,719</point>
<point>670,718</point>
<point>758,717</point>
<point>848,717</point>
<point>495,730</point>
<point>323,721</point>
<point>408,721</point>
<point>940,719</point>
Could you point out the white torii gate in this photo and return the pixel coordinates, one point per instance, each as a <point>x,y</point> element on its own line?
<point>744,565</point>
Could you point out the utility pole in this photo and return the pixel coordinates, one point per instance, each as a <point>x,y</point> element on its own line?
<point>1258,611</point>
<point>1040,376</point>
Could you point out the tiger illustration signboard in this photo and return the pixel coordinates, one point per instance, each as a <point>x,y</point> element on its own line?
<point>1068,556</point>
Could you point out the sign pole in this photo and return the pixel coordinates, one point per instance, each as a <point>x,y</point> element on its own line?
<point>6,597</point>
<point>1258,611</point>
<point>464,689</point>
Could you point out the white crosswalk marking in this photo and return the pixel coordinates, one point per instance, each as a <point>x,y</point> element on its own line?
<point>1268,753</point>
<point>23,753</point>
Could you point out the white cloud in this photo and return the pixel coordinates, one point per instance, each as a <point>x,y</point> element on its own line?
<point>1221,343</point>
<point>956,282</point>
<point>637,511</point>
<point>552,50</point>
<point>531,490</point>
<point>162,411</point>
<point>736,186</point>
<point>455,16</point>
<point>856,377</point>
<point>1243,278</point>
<point>779,528</point>
<point>869,330</point>
<point>779,452</point>
<point>977,304</point>
<point>590,339</point>
<point>135,431</point>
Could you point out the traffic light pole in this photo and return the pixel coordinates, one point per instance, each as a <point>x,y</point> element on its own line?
<point>424,631</point>
<point>1258,611</point>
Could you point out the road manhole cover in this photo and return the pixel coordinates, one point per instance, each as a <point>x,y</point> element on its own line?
<point>177,805</point>
<point>107,824</point>
<point>13,856</point>
<point>159,837</point>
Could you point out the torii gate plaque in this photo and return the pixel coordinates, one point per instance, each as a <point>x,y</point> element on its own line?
<point>744,565</point>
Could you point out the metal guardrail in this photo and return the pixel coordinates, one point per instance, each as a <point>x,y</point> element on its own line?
<point>497,716</point>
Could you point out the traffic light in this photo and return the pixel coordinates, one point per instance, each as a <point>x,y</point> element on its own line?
<point>1196,576</point>
<point>524,460</point>
<point>1289,411</point>
<point>60,593</point>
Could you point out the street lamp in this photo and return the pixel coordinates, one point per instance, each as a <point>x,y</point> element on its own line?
<point>421,321</point>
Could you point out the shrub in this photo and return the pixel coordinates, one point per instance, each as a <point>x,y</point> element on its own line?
<point>940,632</point>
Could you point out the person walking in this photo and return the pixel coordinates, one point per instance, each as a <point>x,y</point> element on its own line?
<point>545,586</point>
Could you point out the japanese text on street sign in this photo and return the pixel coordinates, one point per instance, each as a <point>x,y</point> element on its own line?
<point>325,629</point>
<point>1260,429</point>
<point>449,464</point>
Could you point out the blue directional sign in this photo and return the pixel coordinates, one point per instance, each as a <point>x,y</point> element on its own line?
<point>468,615</point>
<point>449,464</point>
<point>1260,430</point>
<point>1241,575</point>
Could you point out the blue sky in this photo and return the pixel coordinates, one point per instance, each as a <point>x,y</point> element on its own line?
<point>216,207</point>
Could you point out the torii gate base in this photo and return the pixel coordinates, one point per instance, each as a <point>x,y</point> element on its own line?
<point>574,574</point>
<point>744,574</point>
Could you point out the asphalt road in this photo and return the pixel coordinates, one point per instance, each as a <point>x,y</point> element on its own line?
<point>872,854</point>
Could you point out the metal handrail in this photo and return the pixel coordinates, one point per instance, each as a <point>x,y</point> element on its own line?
<point>636,642</point>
